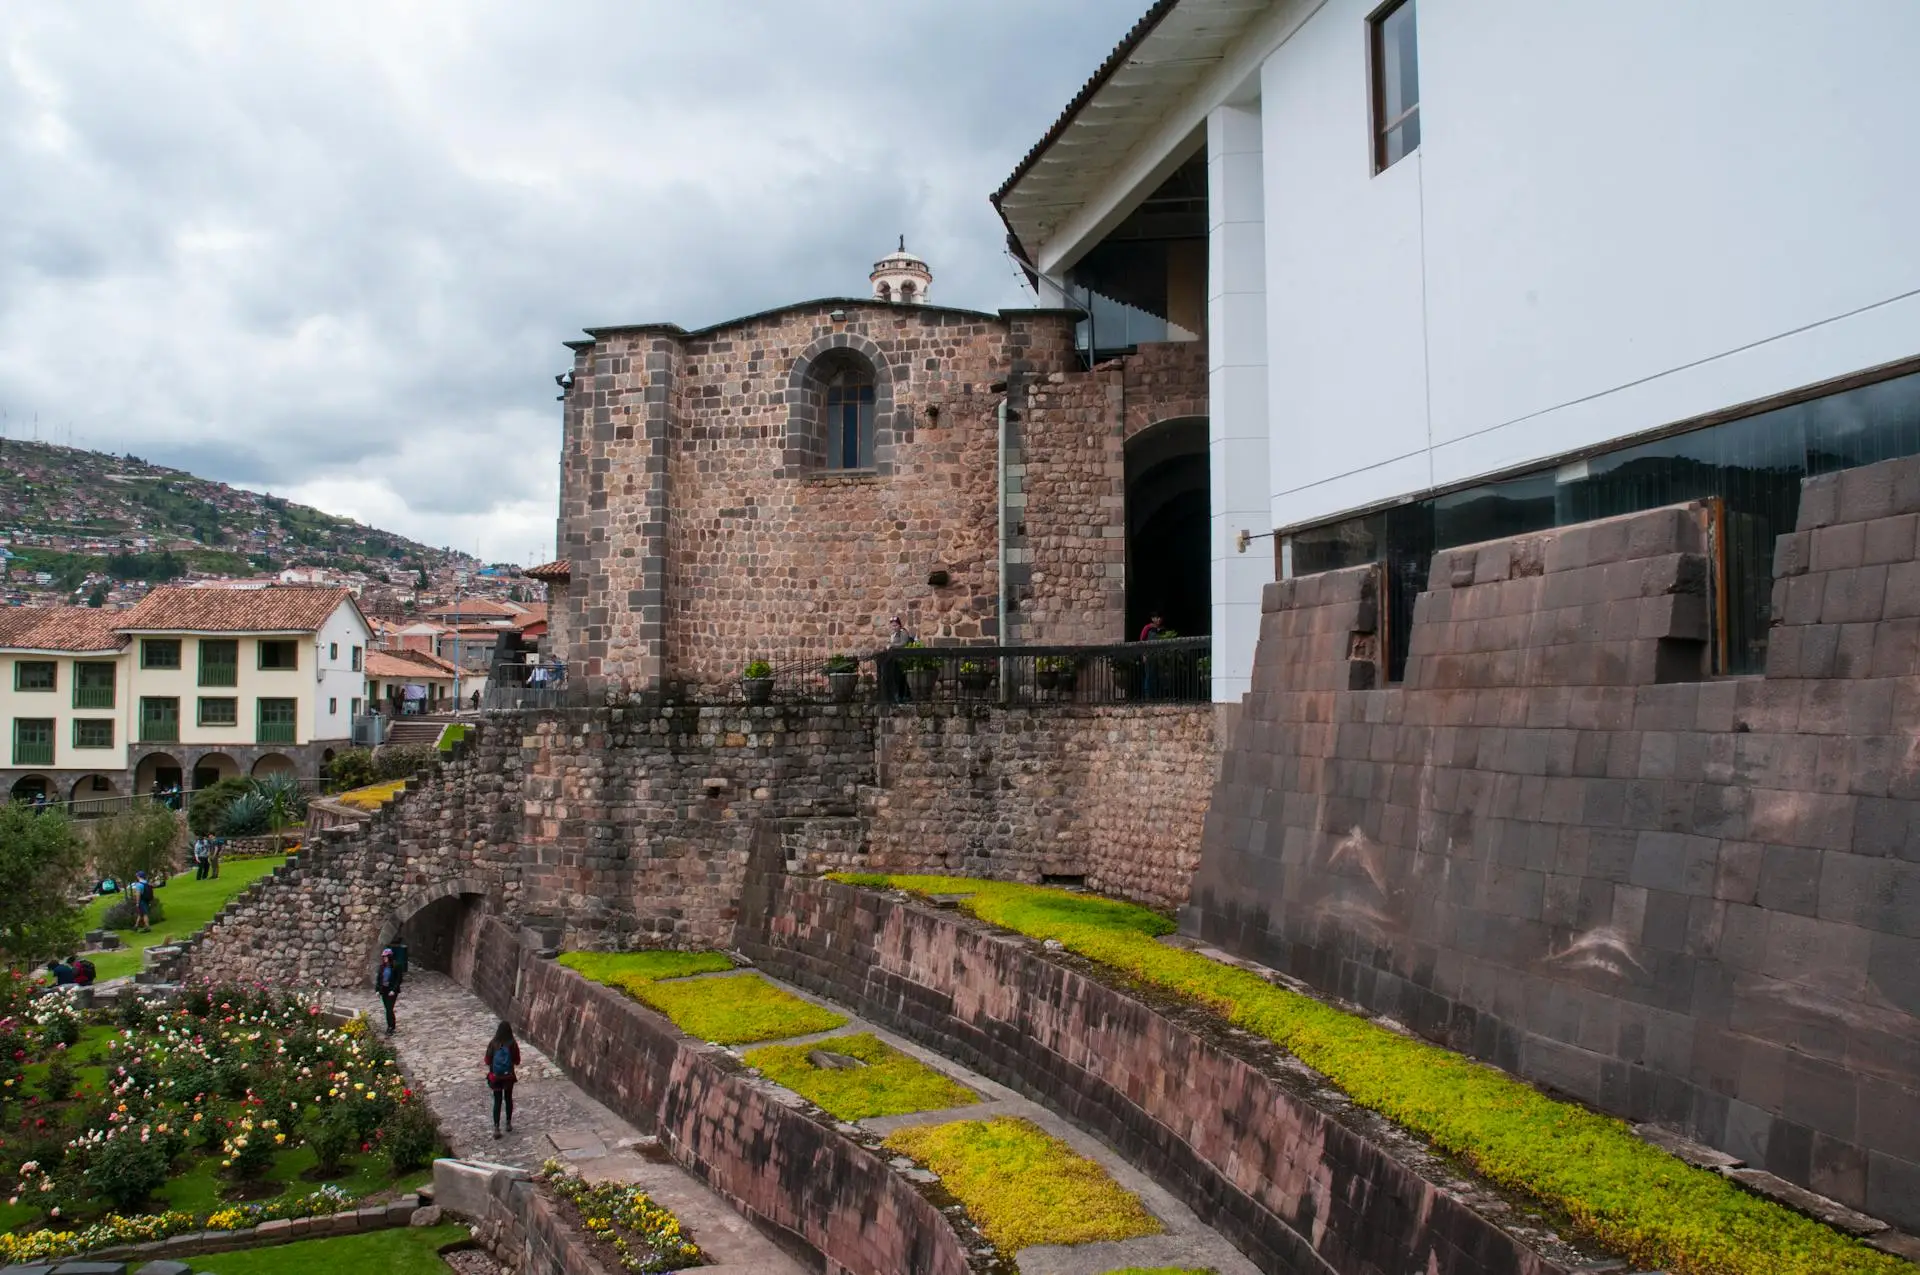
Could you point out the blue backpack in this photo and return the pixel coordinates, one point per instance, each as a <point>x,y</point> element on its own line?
<point>503,1063</point>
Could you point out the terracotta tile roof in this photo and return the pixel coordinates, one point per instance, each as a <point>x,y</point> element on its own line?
<point>560,569</point>
<point>531,613</point>
<point>284,608</point>
<point>60,629</point>
<point>398,665</point>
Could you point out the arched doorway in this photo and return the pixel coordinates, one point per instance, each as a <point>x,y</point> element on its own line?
<point>157,770</point>
<point>210,768</point>
<point>31,788</point>
<point>94,795</point>
<point>1168,527</point>
<point>273,764</point>
<point>440,927</point>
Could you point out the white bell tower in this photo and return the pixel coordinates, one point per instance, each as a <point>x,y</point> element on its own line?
<point>901,277</point>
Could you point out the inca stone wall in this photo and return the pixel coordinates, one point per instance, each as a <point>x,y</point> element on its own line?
<point>1117,795</point>
<point>624,827</point>
<point>1297,1182</point>
<point>1557,846</point>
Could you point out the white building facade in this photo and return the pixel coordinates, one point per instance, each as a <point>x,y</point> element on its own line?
<point>1479,268</point>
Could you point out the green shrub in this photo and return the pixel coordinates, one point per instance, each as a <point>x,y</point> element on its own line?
<point>247,815</point>
<point>138,839</point>
<point>206,815</point>
<point>1636,1199</point>
<point>333,1137</point>
<point>915,663</point>
<point>119,916</point>
<point>758,669</point>
<point>403,761</point>
<point>250,1147</point>
<point>843,664</point>
<point>125,1169</point>
<point>351,769</point>
<point>410,1137</point>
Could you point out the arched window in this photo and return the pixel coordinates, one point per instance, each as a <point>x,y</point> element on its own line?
<point>884,291</point>
<point>906,291</point>
<point>849,419</point>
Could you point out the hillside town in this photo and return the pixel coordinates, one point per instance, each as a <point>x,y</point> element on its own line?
<point>1325,680</point>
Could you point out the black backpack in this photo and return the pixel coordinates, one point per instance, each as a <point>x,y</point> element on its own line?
<point>83,972</point>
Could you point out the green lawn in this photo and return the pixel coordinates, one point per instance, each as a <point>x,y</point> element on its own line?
<point>730,1011</point>
<point>190,904</point>
<point>400,1251</point>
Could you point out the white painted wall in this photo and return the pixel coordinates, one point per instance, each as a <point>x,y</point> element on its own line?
<point>337,682</point>
<point>1619,216</point>
<point>1236,390</point>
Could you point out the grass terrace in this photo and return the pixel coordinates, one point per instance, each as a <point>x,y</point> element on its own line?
<point>1022,1186</point>
<point>373,796</point>
<point>889,1083</point>
<point>739,1009</point>
<point>1652,1208</point>
<point>412,1250</point>
<point>189,906</point>
<point>225,1109</point>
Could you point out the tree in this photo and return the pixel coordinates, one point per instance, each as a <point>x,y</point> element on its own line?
<point>140,839</point>
<point>40,868</point>
<point>98,598</point>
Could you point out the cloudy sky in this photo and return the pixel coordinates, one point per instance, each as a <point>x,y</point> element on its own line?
<point>331,250</point>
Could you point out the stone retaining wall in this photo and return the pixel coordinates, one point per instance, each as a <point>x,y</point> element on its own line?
<point>516,1220</point>
<point>1557,845</point>
<point>797,1179</point>
<point>1116,795</point>
<point>1295,1187</point>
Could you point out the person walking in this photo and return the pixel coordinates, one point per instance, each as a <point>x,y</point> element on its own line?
<point>399,949</point>
<point>503,1061</point>
<point>142,902</point>
<point>386,982</point>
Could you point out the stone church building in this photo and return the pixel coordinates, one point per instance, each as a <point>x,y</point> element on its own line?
<point>779,485</point>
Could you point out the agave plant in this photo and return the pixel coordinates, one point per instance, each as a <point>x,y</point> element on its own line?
<point>248,815</point>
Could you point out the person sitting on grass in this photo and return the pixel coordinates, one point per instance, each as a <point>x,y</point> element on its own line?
<point>61,971</point>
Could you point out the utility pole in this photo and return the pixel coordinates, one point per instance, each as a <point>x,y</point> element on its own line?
<point>459,586</point>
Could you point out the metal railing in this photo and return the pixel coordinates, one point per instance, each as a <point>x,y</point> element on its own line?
<point>1174,671</point>
<point>93,697</point>
<point>89,807</point>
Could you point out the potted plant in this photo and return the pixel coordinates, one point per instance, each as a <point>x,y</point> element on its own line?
<point>975,675</point>
<point>1054,672</point>
<point>843,677</point>
<point>757,682</point>
<point>922,671</point>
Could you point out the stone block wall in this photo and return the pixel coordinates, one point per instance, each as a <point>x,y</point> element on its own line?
<point>796,1178</point>
<point>1071,527</point>
<point>1117,795</point>
<point>705,530</point>
<point>1559,846</point>
<point>624,827</point>
<point>1294,1185</point>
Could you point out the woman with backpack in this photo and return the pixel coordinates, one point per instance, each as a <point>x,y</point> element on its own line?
<point>503,1059</point>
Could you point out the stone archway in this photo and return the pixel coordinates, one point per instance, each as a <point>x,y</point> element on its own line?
<point>438,924</point>
<point>162,769</point>
<point>93,795</point>
<point>273,764</point>
<point>211,768</point>
<point>1169,520</point>
<point>30,787</point>
<point>806,379</point>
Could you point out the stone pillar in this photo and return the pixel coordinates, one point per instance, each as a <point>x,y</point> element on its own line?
<point>1237,390</point>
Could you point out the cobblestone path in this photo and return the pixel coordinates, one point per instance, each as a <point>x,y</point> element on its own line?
<point>442,1039</point>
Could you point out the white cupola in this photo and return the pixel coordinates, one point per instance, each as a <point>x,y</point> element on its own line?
<point>901,277</point>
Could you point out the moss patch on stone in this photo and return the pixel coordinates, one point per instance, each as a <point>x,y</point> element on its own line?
<point>633,969</point>
<point>738,1010</point>
<point>1636,1199</point>
<point>891,1083</point>
<point>1022,1186</point>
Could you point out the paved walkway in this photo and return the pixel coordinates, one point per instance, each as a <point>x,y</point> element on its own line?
<point>442,1043</point>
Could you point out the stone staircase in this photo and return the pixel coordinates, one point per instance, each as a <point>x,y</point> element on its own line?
<point>415,732</point>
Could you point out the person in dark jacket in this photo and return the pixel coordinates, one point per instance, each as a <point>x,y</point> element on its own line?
<point>61,971</point>
<point>386,981</point>
<point>503,1061</point>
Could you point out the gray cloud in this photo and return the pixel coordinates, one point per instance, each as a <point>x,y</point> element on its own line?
<point>331,250</point>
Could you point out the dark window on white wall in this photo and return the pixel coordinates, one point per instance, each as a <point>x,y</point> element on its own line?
<point>1396,84</point>
<point>850,421</point>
